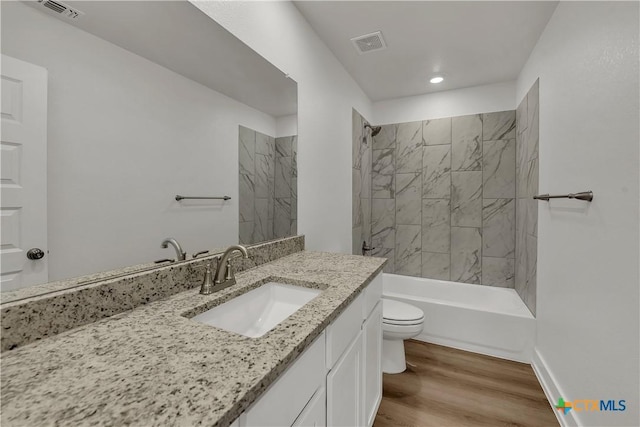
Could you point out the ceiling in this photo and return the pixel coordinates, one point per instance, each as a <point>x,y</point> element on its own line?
<point>178,36</point>
<point>472,43</point>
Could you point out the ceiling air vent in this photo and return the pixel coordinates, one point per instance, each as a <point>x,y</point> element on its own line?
<point>369,42</point>
<point>61,9</point>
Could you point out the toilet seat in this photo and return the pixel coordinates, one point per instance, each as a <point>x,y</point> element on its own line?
<point>400,314</point>
<point>403,323</point>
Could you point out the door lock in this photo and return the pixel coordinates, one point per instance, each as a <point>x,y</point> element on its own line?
<point>35,253</point>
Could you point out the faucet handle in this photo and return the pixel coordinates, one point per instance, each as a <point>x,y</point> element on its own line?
<point>207,285</point>
<point>197,254</point>
<point>366,248</point>
<point>218,264</point>
<point>230,274</point>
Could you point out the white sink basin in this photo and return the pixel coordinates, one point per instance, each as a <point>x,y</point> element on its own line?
<point>258,311</point>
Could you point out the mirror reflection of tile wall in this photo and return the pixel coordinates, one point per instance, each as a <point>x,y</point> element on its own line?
<point>268,186</point>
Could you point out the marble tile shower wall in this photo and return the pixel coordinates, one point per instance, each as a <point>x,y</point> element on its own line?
<point>268,186</point>
<point>527,141</point>
<point>443,198</point>
<point>257,182</point>
<point>285,222</point>
<point>257,162</point>
<point>361,184</point>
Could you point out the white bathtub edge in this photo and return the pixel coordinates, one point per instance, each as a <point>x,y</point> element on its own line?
<point>551,389</point>
<point>524,314</point>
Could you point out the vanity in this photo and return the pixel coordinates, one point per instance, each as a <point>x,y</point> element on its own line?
<point>157,365</point>
<point>337,380</point>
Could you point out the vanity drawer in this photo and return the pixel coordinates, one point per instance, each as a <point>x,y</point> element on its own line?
<point>286,398</point>
<point>343,330</point>
<point>372,294</point>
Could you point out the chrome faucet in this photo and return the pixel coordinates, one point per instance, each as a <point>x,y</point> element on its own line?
<point>182,255</point>
<point>224,273</point>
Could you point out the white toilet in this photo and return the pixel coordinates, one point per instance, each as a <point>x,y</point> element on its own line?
<point>400,321</point>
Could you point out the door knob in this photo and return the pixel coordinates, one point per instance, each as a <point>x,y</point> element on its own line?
<point>35,253</point>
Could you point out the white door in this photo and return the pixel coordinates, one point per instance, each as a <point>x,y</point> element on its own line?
<point>23,185</point>
<point>344,388</point>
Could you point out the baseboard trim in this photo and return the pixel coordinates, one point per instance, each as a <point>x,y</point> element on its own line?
<point>551,389</point>
<point>522,357</point>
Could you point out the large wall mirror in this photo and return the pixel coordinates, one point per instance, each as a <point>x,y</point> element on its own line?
<point>112,109</point>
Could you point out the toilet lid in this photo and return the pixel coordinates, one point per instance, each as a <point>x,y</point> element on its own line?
<point>397,312</point>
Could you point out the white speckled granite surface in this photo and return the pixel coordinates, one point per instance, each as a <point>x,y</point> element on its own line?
<point>152,366</point>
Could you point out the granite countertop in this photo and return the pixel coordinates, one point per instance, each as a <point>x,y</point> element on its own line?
<point>152,366</point>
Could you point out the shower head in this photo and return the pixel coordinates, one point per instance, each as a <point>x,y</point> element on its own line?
<point>374,129</point>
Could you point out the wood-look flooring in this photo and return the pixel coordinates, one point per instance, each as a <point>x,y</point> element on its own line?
<point>443,386</point>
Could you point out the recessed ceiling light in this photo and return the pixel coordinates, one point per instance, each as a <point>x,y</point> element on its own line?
<point>436,79</point>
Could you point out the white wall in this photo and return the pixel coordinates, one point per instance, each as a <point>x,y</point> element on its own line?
<point>326,95</point>
<point>588,255</point>
<point>124,137</point>
<point>450,103</point>
<point>286,125</point>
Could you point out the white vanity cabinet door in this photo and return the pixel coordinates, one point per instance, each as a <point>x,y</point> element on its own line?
<point>315,414</point>
<point>344,388</point>
<point>342,331</point>
<point>372,364</point>
<point>286,398</point>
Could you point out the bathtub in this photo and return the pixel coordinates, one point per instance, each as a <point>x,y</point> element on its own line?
<point>481,319</point>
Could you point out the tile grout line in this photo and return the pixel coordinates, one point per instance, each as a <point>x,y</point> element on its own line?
<point>515,193</point>
<point>482,234</point>
<point>395,225</point>
<point>451,201</point>
<point>421,206</point>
